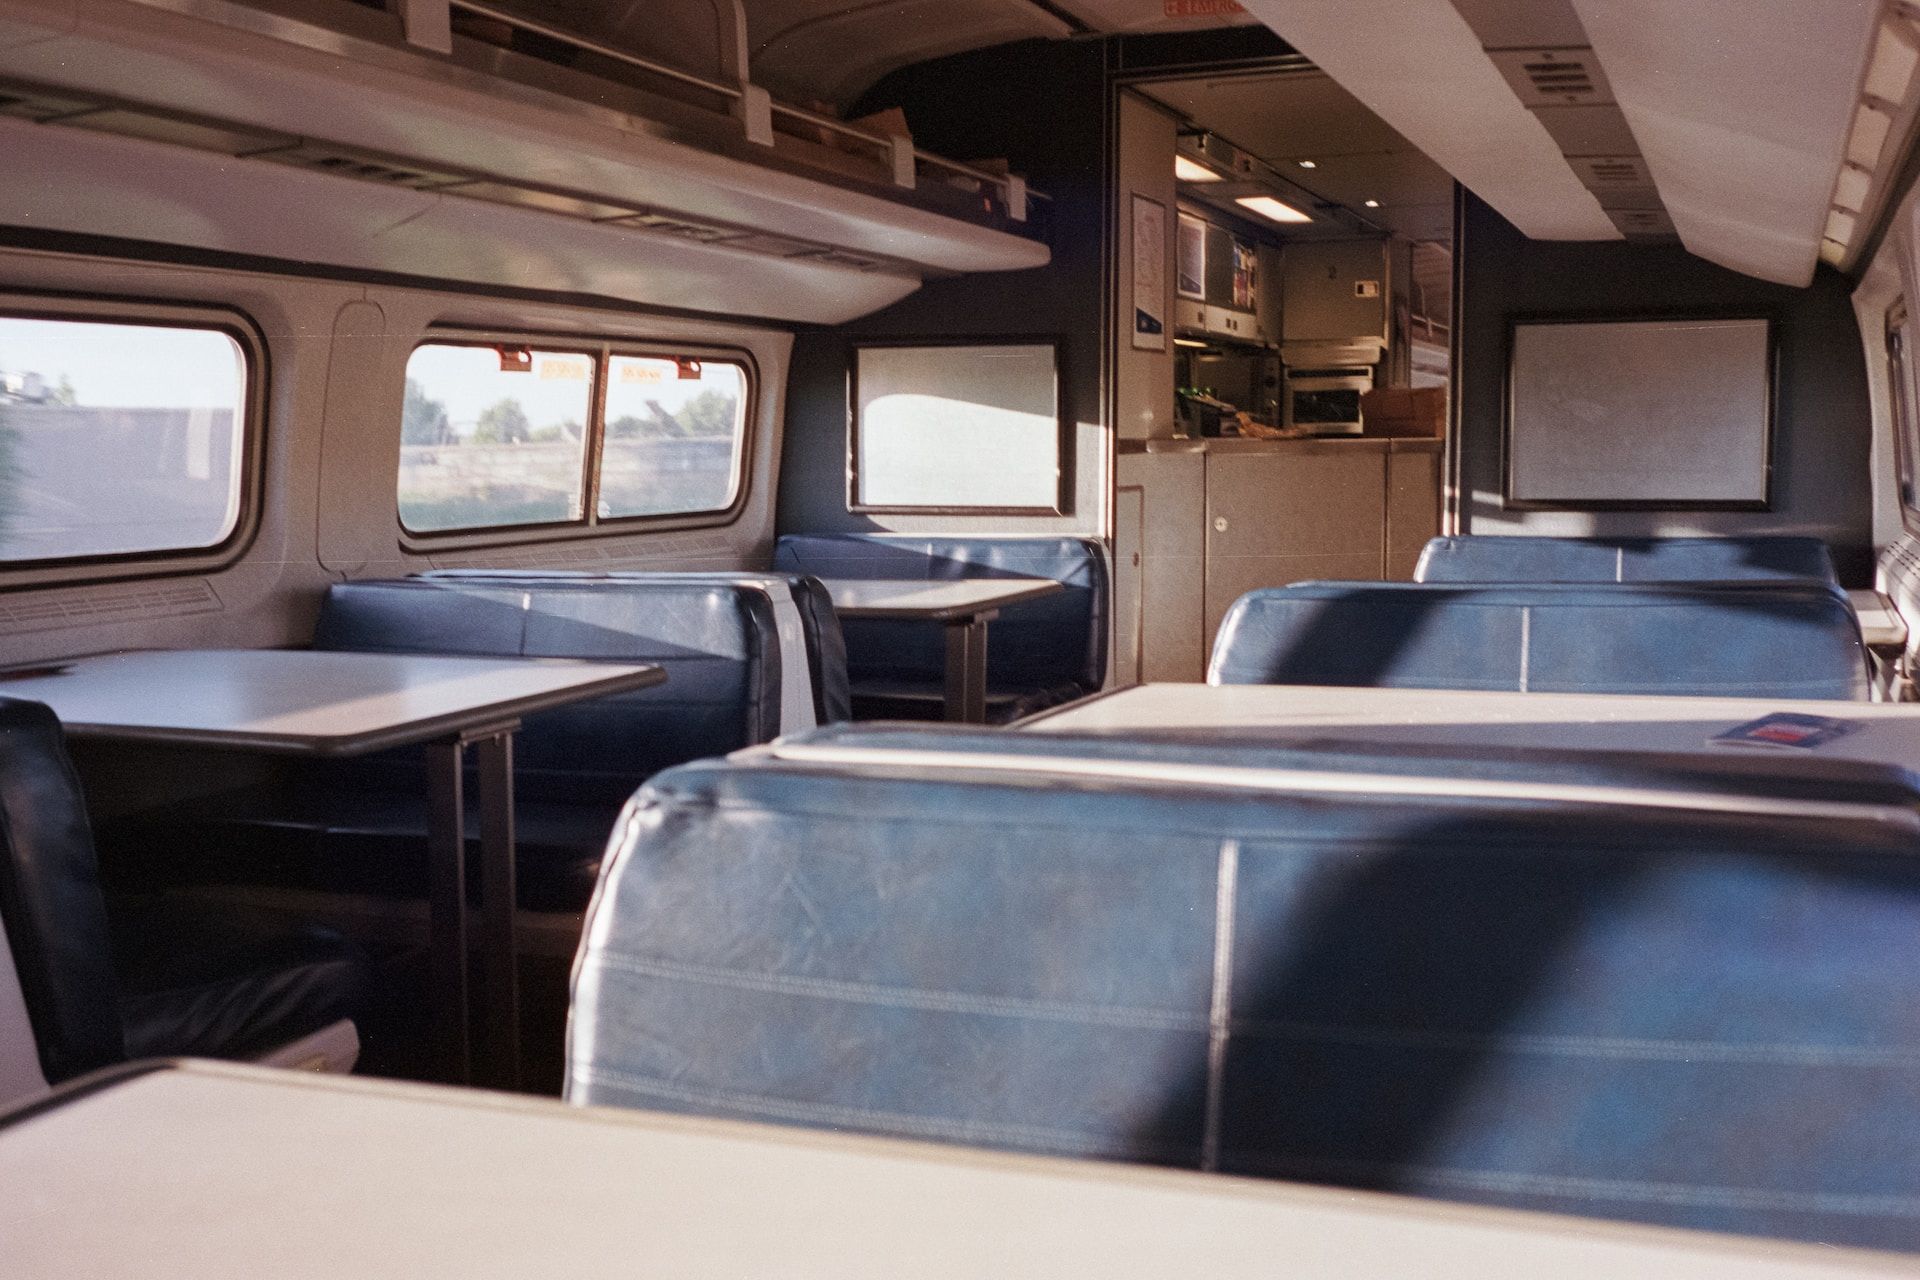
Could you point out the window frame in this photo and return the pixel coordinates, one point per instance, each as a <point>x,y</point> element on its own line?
<point>249,457</point>
<point>1063,440</point>
<point>1901,414</point>
<point>590,524</point>
<point>1769,438</point>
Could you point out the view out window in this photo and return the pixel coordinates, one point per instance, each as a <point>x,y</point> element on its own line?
<point>496,435</point>
<point>118,439</point>
<point>673,436</point>
<point>973,427</point>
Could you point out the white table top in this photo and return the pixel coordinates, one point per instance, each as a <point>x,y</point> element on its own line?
<point>307,702</point>
<point>212,1170</point>
<point>1881,625</point>
<point>1301,714</point>
<point>932,601</point>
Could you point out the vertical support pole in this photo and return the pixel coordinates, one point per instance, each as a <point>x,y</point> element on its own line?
<point>499,960</point>
<point>447,909</point>
<point>426,24</point>
<point>754,107</point>
<point>966,701</point>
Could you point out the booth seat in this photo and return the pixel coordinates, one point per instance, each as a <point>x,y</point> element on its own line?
<point>1039,653</point>
<point>817,628</point>
<point>1522,559</point>
<point>1692,1005</point>
<point>360,825</point>
<point>1774,640</point>
<point>144,981</point>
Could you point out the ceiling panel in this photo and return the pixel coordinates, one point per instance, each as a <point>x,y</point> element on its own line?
<point>1742,118</point>
<point>1589,131</point>
<point>1419,66</point>
<point>1290,116</point>
<point>1507,24</point>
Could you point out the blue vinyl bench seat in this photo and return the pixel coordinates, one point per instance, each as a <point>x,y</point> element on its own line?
<point>1694,1010</point>
<point>360,825</point>
<point>1769,640</point>
<point>1039,653</point>
<point>1478,558</point>
<point>825,647</point>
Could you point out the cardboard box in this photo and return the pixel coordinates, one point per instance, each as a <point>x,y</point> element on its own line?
<point>1404,413</point>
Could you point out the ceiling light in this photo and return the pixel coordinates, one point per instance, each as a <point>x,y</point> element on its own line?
<point>1373,204</point>
<point>1186,170</point>
<point>1833,252</point>
<point>1840,227</point>
<point>1895,58</point>
<point>1309,164</point>
<point>1851,191</point>
<point>1869,136</point>
<point>1268,207</point>
<point>1188,342</point>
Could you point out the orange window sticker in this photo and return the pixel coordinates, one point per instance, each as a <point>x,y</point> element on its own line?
<point>649,374</point>
<point>553,369</point>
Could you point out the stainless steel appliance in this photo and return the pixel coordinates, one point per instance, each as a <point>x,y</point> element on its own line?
<point>1324,382</point>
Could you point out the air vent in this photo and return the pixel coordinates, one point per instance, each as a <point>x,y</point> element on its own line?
<point>1554,77</point>
<point>362,165</point>
<point>1641,224</point>
<point>1611,173</point>
<point>97,606</point>
<point>774,246</point>
<point>680,228</point>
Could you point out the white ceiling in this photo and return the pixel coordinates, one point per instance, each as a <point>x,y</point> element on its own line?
<point>1421,67</point>
<point>1290,116</point>
<point>1742,113</point>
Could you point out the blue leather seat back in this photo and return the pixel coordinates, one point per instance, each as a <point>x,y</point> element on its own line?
<point>56,918</point>
<point>716,640</point>
<point>1775,640</point>
<point>1056,642</point>
<point>1667,1013</point>
<point>1509,559</point>
<point>826,647</point>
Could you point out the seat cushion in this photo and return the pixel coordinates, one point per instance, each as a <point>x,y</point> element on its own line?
<point>718,642</point>
<point>1774,640</point>
<point>1042,644</point>
<point>1695,1011</point>
<point>820,626</point>
<point>196,987</point>
<point>1523,559</point>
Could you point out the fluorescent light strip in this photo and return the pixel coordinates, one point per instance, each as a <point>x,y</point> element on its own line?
<point>1270,208</point>
<point>1185,170</point>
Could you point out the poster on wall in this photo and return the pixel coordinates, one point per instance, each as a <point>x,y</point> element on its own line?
<point>1190,277</point>
<point>1149,274</point>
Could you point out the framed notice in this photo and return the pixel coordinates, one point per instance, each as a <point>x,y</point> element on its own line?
<point>1190,277</point>
<point>1668,413</point>
<point>1149,274</point>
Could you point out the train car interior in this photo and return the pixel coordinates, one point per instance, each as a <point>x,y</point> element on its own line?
<point>1016,637</point>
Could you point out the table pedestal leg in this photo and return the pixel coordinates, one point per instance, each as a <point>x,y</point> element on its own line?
<point>499,961</point>
<point>967,670</point>
<point>447,909</point>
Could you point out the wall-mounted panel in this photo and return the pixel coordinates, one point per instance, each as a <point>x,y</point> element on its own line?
<point>1645,413</point>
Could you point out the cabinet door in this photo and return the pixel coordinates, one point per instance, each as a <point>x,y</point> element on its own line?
<point>1298,513</point>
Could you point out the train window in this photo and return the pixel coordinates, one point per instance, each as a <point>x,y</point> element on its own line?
<point>1906,448</point>
<point>150,416</point>
<point>674,433</point>
<point>494,435</point>
<point>971,427</point>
